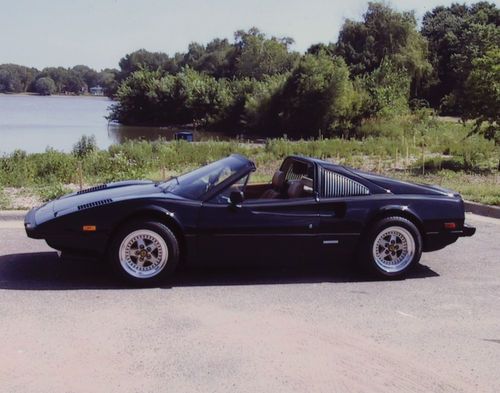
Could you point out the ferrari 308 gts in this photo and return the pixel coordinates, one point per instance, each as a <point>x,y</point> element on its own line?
<point>312,210</point>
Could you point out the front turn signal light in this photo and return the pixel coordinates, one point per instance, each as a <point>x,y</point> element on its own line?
<point>89,228</point>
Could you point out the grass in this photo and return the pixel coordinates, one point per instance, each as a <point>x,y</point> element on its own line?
<point>4,200</point>
<point>398,146</point>
<point>473,187</point>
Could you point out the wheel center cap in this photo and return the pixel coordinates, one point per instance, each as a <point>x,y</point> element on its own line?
<point>143,253</point>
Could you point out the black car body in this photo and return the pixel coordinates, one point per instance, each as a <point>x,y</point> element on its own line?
<point>313,209</point>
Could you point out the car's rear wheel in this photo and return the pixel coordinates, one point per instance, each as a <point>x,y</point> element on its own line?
<point>144,253</point>
<point>393,247</point>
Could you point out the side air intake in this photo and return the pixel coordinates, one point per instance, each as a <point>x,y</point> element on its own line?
<point>94,204</point>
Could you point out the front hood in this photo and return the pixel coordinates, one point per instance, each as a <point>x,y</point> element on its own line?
<point>105,192</point>
<point>402,187</point>
<point>95,196</point>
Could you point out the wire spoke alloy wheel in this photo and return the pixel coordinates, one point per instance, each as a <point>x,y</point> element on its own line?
<point>393,249</point>
<point>143,253</point>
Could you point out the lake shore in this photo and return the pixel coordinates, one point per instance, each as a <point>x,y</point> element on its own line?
<point>28,94</point>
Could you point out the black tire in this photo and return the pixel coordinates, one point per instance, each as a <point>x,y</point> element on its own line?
<point>407,246</point>
<point>165,259</point>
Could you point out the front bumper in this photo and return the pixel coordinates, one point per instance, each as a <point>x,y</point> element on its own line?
<point>30,225</point>
<point>63,236</point>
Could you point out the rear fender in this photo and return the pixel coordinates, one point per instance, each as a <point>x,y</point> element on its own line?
<point>399,211</point>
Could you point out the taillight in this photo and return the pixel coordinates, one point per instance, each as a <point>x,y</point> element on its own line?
<point>450,225</point>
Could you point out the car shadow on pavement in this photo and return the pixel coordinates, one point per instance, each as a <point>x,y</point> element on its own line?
<point>46,271</point>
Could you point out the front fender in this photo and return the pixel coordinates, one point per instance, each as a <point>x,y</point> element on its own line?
<point>158,212</point>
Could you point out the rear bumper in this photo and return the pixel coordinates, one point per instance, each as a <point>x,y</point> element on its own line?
<point>467,231</point>
<point>437,240</point>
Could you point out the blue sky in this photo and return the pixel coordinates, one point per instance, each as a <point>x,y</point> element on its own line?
<point>98,33</point>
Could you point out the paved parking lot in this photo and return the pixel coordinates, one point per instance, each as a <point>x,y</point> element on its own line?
<point>67,326</point>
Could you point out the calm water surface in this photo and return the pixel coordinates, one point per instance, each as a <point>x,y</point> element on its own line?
<point>33,123</point>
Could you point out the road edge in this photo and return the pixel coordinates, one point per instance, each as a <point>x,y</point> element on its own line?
<point>12,215</point>
<point>482,210</point>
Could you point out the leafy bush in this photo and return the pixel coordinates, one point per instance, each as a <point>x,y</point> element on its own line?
<point>45,86</point>
<point>85,146</point>
<point>52,191</point>
<point>148,97</point>
<point>389,89</point>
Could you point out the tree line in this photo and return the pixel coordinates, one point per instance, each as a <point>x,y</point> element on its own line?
<point>383,64</point>
<point>380,65</point>
<point>79,79</point>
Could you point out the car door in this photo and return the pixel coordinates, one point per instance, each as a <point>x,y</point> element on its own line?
<point>343,209</point>
<point>258,230</point>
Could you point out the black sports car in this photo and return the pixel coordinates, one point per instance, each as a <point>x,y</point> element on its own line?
<point>312,210</point>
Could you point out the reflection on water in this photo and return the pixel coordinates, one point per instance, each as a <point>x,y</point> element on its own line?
<point>33,123</point>
<point>118,133</point>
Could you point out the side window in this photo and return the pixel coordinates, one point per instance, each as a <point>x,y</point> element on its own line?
<point>299,178</point>
<point>336,185</point>
<point>223,196</point>
<point>297,170</point>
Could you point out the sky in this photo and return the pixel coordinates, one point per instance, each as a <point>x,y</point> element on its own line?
<point>97,33</point>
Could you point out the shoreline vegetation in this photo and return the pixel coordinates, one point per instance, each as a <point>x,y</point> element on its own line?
<point>408,147</point>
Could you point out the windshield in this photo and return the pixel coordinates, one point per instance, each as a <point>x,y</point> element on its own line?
<point>194,184</point>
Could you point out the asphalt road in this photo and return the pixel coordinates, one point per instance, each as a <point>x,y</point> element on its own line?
<point>68,327</point>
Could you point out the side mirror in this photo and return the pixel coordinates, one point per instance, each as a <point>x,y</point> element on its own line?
<point>236,198</point>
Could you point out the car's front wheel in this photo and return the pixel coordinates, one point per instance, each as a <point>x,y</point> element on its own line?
<point>393,247</point>
<point>144,253</point>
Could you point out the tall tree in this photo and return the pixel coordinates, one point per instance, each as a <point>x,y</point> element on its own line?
<point>89,76</point>
<point>383,33</point>
<point>16,78</point>
<point>259,56</point>
<point>143,59</point>
<point>45,86</point>
<point>482,95</point>
<point>319,96</point>
<point>108,79</point>
<point>457,35</point>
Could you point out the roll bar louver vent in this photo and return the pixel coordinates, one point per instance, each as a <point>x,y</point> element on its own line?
<point>94,204</point>
<point>335,185</point>
<point>92,189</point>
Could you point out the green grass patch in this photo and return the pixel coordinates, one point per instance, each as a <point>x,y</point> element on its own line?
<point>52,191</point>
<point>4,200</point>
<point>473,187</point>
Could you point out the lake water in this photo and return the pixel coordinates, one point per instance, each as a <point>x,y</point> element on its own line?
<point>33,123</point>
